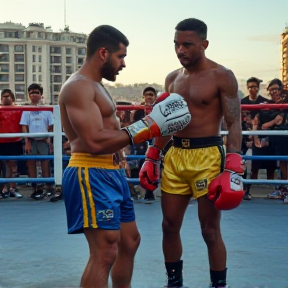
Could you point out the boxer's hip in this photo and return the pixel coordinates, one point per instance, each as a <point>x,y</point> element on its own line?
<point>191,164</point>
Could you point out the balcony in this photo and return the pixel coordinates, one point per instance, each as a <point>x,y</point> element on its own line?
<point>55,50</point>
<point>54,70</point>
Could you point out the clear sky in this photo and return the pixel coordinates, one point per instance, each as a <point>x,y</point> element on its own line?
<point>244,35</point>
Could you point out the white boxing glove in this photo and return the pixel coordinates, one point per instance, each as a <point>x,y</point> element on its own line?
<point>169,115</point>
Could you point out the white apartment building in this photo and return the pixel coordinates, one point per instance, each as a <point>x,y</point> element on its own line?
<point>38,55</point>
<point>284,56</point>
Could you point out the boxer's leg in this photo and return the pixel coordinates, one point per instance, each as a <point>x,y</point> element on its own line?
<point>122,269</point>
<point>103,246</point>
<point>209,218</point>
<point>173,209</point>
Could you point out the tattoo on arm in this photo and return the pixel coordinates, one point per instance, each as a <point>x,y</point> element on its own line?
<point>232,112</point>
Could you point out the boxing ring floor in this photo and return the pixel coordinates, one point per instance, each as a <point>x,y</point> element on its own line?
<point>36,251</point>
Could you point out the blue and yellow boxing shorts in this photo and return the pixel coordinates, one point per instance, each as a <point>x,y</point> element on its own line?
<point>96,193</point>
<point>191,164</point>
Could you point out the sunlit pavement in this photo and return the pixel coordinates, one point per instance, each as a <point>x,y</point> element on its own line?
<point>35,250</point>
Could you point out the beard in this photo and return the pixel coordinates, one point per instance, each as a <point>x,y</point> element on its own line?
<point>107,71</point>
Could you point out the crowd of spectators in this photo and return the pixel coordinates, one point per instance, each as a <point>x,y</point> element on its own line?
<point>17,121</point>
<point>263,145</point>
<point>42,121</point>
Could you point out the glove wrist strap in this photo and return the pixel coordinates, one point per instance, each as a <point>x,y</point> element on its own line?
<point>138,131</point>
<point>154,153</point>
<point>234,163</point>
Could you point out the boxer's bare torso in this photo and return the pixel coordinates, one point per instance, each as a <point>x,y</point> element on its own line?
<point>99,104</point>
<point>203,91</point>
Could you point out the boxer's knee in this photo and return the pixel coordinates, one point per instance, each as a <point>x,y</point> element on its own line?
<point>170,226</point>
<point>210,235</point>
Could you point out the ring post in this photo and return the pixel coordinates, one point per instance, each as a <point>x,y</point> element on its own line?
<point>58,166</point>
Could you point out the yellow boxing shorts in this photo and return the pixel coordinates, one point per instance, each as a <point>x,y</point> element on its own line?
<point>191,164</point>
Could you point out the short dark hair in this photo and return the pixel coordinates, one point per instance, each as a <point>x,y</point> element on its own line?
<point>150,88</point>
<point>10,92</point>
<point>193,24</point>
<point>35,86</point>
<point>254,80</point>
<point>276,81</point>
<point>105,36</point>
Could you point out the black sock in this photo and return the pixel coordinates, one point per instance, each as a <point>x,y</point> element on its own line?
<point>218,278</point>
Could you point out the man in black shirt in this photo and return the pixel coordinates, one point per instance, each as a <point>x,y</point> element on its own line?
<point>253,84</point>
<point>149,95</point>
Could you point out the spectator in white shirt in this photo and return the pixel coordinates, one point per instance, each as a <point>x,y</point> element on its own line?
<point>37,122</point>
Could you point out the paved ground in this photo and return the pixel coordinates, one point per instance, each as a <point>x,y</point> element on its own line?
<point>36,252</point>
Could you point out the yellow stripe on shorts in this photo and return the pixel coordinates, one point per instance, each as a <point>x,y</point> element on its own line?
<point>90,196</point>
<point>85,210</point>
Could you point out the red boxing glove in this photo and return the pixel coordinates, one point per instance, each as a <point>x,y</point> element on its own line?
<point>226,190</point>
<point>150,172</point>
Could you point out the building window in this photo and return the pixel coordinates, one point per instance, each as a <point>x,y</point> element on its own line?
<point>19,57</point>
<point>80,61</point>
<point>56,59</point>
<point>40,68</point>
<point>33,68</point>
<point>34,78</point>
<point>4,77</point>
<point>4,57</point>
<point>4,67</point>
<point>20,87</point>
<point>40,58</point>
<point>18,48</point>
<point>4,86</point>
<point>33,48</point>
<point>40,49</point>
<point>69,60</point>
<point>19,77</point>
<point>68,51</point>
<point>57,78</point>
<point>39,35</point>
<point>56,69</point>
<point>33,58</point>
<point>4,48</point>
<point>40,78</point>
<point>10,34</point>
<point>81,51</point>
<point>56,50</point>
<point>19,67</point>
<point>56,87</point>
<point>68,70</point>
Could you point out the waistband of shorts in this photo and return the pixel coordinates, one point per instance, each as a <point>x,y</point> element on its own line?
<point>194,143</point>
<point>90,161</point>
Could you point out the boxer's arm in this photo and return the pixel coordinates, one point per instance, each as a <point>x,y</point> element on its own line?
<point>231,109</point>
<point>160,142</point>
<point>80,111</point>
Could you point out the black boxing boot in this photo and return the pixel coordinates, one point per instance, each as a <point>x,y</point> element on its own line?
<point>174,274</point>
<point>218,279</point>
